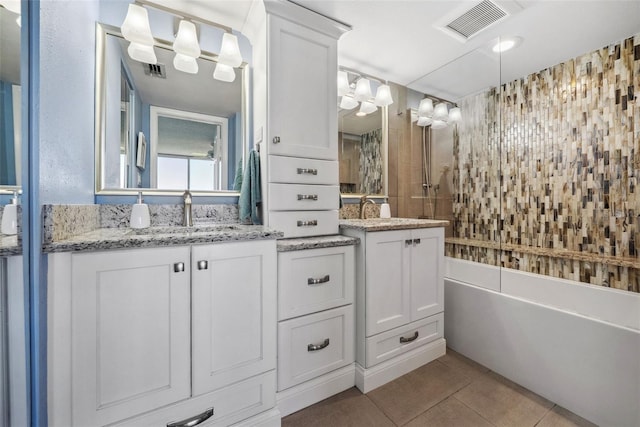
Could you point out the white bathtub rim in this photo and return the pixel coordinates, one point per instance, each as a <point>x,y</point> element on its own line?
<point>593,302</point>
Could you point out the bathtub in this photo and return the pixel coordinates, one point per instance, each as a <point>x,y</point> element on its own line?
<point>575,344</point>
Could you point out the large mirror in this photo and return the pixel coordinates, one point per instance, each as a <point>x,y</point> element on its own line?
<point>362,145</point>
<point>10,95</point>
<point>164,130</point>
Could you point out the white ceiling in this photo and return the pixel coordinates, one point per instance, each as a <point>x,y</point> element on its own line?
<point>399,40</point>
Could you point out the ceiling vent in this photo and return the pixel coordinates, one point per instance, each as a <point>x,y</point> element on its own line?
<point>475,20</point>
<point>155,70</point>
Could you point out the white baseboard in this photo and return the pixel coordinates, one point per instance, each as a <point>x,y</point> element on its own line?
<point>372,378</point>
<point>302,395</point>
<point>269,418</point>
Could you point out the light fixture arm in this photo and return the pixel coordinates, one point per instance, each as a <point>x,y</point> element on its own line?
<point>183,15</point>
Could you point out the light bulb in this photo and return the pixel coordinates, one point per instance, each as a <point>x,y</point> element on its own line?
<point>186,42</point>
<point>348,103</point>
<point>230,51</point>
<point>367,107</point>
<point>185,63</point>
<point>343,83</point>
<point>142,53</point>
<point>426,108</point>
<point>135,27</point>
<point>455,114</point>
<point>440,112</point>
<point>224,73</point>
<point>363,90</point>
<point>383,96</point>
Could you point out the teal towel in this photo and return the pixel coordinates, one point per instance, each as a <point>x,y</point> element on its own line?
<point>250,193</point>
<point>237,182</point>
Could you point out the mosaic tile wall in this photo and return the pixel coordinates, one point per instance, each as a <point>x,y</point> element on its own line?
<point>567,143</point>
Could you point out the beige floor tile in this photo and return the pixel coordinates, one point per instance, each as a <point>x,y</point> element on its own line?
<point>410,395</point>
<point>349,409</point>
<point>560,417</point>
<point>463,365</point>
<point>449,413</point>
<point>503,402</point>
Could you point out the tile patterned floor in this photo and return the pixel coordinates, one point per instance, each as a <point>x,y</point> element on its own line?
<point>450,391</point>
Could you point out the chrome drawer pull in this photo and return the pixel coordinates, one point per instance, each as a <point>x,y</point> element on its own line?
<point>307,197</point>
<point>408,243</point>
<point>316,347</point>
<point>276,140</point>
<point>178,267</point>
<point>203,265</point>
<point>193,421</point>
<point>307,171</point>
<point>311,223</point>
<point>404,340</point>
<point>312,281</point>
<point>416,242</point>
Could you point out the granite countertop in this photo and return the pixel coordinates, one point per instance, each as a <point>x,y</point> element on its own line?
<point>286,245</point>
<point>118,238</point>
<point>9,245</point>
<point>386,224</point>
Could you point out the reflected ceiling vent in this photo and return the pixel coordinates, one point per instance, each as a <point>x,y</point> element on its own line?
<point>467,23</point>
<point>155,70</point>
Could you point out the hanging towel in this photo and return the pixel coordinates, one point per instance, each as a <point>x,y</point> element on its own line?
<point>237,182</point>
<point>250,193</point>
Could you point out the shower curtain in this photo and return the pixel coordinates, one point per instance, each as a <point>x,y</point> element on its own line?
<point>371,162</point>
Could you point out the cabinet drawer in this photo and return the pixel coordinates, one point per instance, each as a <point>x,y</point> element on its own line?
<point>312,280</point>
<point>313,345</point>
<point>304,223</point>
<point>300,197</point>
<point>391,343</point>
<point>302,171</point>
<point>230,404</point>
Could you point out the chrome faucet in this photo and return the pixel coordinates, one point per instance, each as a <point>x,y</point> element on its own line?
<point>187,217</point>
<point>363,201</point>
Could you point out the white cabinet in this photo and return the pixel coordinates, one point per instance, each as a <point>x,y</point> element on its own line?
<point>152,336</point>
<point>302,92</point>
<point>316,325</point>
<point>399,302</point>
<point>403,275</point>
<point>302,121</point>
<point>234,312</point>
<point>129,332</point>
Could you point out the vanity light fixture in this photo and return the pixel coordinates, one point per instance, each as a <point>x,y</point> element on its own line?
<point>438,116</point>
<point>186,48</point>
<point>136,30</point>
<point>359,91</point>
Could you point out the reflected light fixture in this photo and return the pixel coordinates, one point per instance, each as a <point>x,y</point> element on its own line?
<point>186,48</point>
<point>506,43</point>
<point>358,90</point>
<point>224,73</point>
<point>11,5</point>
<point>437,117</point>
<point>136,30</point>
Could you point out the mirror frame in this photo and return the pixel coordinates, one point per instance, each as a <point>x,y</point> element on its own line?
<point>102,31</point>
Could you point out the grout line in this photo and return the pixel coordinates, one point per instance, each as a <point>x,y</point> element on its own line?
<point>474,411</point>
<point>545,414</point>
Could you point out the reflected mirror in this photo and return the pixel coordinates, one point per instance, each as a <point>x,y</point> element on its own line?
<point>361,144</point>
<point>163,129</point>
<point>10,93</point>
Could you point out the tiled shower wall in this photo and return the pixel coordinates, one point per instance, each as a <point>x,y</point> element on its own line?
<point>556,170</point>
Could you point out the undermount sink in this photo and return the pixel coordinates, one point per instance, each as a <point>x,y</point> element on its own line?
<point>181,229</point>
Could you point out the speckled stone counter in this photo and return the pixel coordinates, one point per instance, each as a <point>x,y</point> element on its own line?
<point>387,224</point>
<point>286,245</point>
<point>119,238</point>
<point>9,245</point>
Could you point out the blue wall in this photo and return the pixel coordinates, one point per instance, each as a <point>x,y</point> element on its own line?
<point>67,58</point>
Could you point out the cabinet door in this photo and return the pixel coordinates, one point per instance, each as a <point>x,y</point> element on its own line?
<point>234,312</point>
<point>302,91</point>
<point>130,332</point>
<point>388,293</point>
<point>427,281</point>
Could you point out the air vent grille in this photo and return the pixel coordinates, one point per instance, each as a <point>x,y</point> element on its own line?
<point>155,70</point>
<point>477,19</point>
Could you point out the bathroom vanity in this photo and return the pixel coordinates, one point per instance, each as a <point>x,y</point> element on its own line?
<point>399,296</point>
<point>155,335</point>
